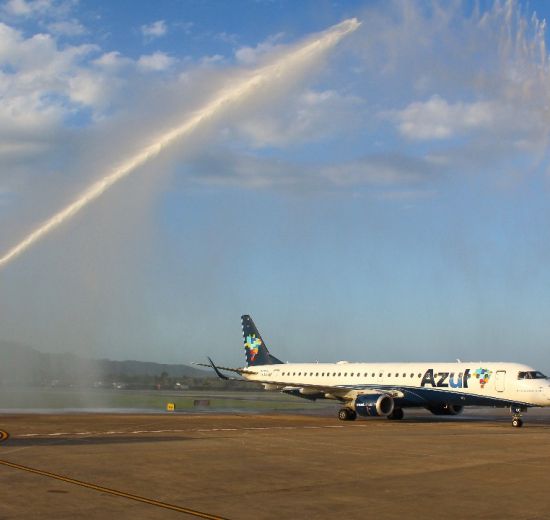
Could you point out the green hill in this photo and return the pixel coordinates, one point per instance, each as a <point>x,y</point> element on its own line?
<point>21,365</point>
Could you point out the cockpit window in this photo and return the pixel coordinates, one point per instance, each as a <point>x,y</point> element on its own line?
<point>531,375</point>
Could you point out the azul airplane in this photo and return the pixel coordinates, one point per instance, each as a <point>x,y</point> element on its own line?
<point>385,389</point>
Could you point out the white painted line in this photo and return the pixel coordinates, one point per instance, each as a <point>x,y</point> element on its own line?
<point>191,430</point>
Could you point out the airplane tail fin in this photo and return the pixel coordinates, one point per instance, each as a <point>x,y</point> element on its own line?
<point>254,346</point>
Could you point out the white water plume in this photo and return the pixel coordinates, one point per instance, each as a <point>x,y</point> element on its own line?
<point>224,98</point>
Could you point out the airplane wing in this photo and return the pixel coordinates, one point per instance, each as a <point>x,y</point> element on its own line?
<point>340,392</point>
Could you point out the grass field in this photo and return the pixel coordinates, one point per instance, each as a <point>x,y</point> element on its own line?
<point>148,400</point>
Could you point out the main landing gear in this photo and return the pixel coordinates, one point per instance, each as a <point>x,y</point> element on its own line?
<point>347,414</point>
<point>396,415</point>
<point>517,422</point>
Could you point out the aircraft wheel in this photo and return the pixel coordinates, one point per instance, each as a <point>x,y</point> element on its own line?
<point>4,436</point>
<point>346,414</point>
<point>396,415</point>
<point>517,422</point>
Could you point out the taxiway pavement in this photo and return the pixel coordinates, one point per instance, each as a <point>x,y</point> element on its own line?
<point>274,467</point>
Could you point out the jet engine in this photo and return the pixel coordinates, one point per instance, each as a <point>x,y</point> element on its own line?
<point>373,405</point>
<point>446,409</point>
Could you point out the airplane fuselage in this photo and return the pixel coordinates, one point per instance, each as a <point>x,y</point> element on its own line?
<point>385,389</point>
<point>412,384</point>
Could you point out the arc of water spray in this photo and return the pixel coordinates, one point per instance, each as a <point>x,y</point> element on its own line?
<point>228,95</point>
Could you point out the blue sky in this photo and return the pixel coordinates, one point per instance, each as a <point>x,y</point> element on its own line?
<point>386,200</point>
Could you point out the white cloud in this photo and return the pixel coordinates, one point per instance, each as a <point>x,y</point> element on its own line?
<point>87,88</point>
<point>112,60</point>
<point>27,8</point>
<point>251,55</point>
<point>438,119</point>
<point>308,116</point>
<point>157,61</point>
<point>67,28</point>
<point>40,86</point>
<point>212,60</point>
<point>53,15</point>
<point>154,30</point>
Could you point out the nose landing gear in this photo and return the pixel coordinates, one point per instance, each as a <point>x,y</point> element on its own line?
<point>517,422</point>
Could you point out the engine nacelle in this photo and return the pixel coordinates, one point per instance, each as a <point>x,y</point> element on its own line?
<point>446,409</point>
<point>305,393</point>
<point>373,405</point>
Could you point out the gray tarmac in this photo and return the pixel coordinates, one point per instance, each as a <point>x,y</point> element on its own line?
<point>252,466</point>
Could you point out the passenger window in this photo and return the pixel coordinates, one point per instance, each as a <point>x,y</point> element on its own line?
<point>404,375</point>
<point>373,374</point>
<point>339,374</point>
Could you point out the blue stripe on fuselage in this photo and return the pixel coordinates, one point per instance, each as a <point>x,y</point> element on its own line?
<point>420,396</point>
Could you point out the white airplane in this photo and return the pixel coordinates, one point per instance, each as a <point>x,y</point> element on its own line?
<point>385,389</point>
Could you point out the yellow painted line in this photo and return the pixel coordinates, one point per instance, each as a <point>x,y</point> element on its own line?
<point>110,491</point>
<point>4,436</point>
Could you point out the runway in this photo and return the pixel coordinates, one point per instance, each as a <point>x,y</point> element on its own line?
<point>273,466</point>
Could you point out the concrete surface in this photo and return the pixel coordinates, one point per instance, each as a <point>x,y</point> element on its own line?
<point>278,466</point>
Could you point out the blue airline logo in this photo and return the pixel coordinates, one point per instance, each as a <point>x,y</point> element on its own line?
<point>445,379</point>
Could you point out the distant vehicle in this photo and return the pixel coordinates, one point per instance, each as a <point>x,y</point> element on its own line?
<point>386,389</point>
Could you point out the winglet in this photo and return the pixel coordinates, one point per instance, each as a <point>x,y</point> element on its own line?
<point>218,373</point>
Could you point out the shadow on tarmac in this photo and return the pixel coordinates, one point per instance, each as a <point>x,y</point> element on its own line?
<point>95,440</point>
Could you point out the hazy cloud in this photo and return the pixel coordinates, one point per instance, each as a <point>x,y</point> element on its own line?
<point>26,7</point>
<point>438,119</point>
<point>67,28</point>
<point>39,9</point>
<point>382,173</point>
<point>251,55</point>
<point>157,61</point>
<point>308,116</point>
<point>154,30</point>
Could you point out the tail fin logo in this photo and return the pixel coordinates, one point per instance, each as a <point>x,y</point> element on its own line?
<point>252,345</point>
